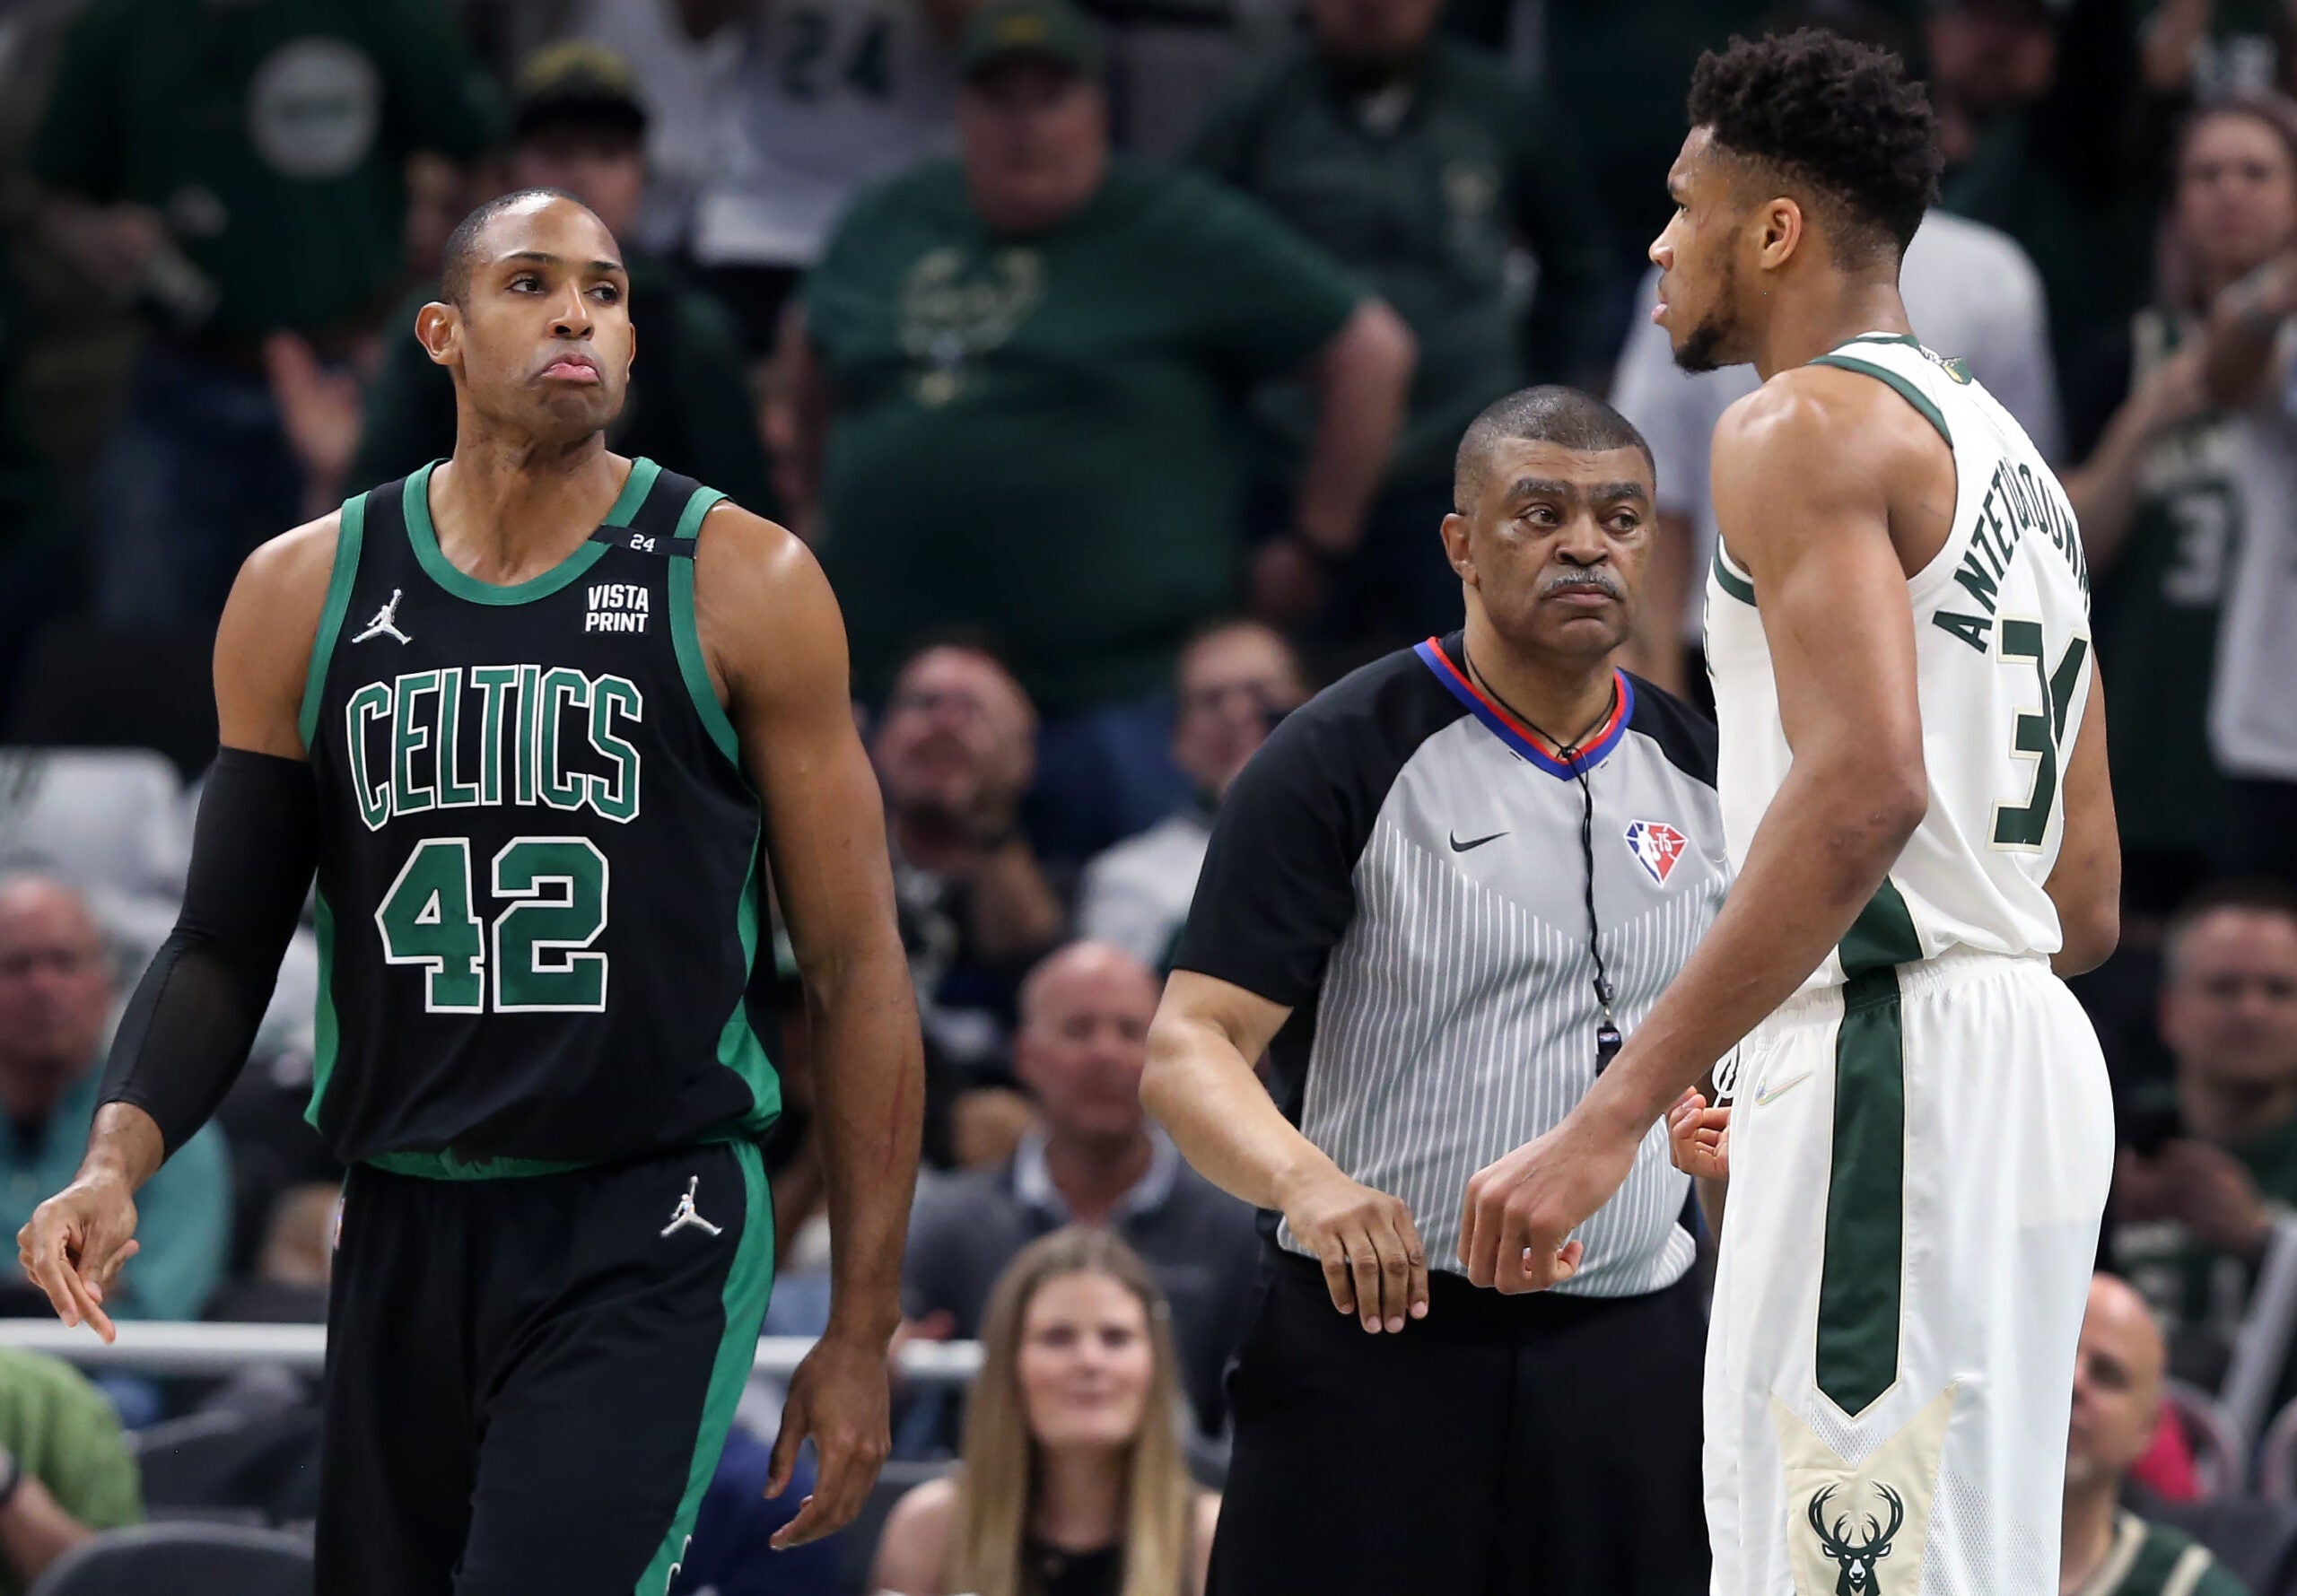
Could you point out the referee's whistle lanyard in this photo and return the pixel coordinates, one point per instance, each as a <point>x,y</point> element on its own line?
<point>1607,1036</point>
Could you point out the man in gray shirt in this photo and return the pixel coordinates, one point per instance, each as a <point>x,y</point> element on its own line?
<point>1436,899</point>
<point>1093,1159</point>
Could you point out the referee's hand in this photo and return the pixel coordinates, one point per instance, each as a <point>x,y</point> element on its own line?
<point>1374,1264</point>
<point>1699,1137</point>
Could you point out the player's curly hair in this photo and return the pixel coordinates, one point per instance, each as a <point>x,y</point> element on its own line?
<point>1841,117</point>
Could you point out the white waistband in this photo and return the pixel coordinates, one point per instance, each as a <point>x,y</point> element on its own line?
<point>1956,967</point>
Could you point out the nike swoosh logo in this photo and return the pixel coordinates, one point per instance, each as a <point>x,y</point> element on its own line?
<point>1769,1094</point>
<point>1460,847</point>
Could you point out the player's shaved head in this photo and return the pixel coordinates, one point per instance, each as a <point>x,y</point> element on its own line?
<point>1550,414</point>
<point>462,254</point>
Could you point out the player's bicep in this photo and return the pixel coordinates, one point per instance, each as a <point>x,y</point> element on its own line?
<point>1810,519</point>
<point>263,641</point>
<point>772,628</point>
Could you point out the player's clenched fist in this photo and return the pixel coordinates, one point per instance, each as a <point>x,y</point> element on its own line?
<point>1699,1137</point>
<point>1374,1264</point>
<point>1516,1222</point>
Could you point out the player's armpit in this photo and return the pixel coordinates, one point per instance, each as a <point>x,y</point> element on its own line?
<point>263,641</point>
<point>2085,883</point>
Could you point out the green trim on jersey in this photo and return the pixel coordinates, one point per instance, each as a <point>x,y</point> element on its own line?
<point>350,532</point>
<point>1909,339</point>
<point>1883,935</point>
<point>749,1283</point>
<point>686,636</point>
<point>1906,390</point>
<point>1730,581</point>
<point>740,1047</point>
<point>327,1032</point>
<point>1859,1284</point>
<point>435,564</point>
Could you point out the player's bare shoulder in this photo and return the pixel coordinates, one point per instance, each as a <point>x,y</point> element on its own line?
<point>1824,417</point>
<point>768,622</point>
<point>1826,442</point>
<point>263,641</point>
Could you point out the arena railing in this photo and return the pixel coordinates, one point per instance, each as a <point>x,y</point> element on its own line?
<point>150,1347</point>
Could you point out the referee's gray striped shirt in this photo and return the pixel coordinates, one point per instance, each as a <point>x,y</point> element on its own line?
<point>1400,865</point>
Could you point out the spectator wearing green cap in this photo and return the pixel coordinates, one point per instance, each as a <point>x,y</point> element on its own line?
<point>1422,166</point>
<point>578,125</point>
<point>1019,391</point>
<point>236,170</point>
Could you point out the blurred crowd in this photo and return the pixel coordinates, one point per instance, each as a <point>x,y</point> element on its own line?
<point>1111,361</point>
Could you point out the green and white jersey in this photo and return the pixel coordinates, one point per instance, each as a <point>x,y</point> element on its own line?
<point>2155,1560</point>
<point>2003,658</point>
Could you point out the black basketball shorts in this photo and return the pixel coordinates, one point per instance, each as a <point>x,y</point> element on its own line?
<point>529,1378</point>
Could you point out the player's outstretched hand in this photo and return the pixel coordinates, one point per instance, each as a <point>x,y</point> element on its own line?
<point>1699,1137</point>
<point>841,1395</point>
<point>1521,1209</point>
<point>72,1245</point>
<point>1374,1266</point>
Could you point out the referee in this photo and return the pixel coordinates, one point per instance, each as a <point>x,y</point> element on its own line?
<point>1436,898</point>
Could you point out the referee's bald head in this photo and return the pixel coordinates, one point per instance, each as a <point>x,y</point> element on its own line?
<point>1547,413</point>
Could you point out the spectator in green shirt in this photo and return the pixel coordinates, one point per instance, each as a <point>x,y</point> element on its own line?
<point>65,1470</point>
<point>1421,165</point>
<point>1023,376</point>
<point>579,126</point>
<point>2108,1550</point>
<point>2208,1171</point>
<point>2054,133</point>
<point>2190,469</point>
<point>56,1000</point>
<point>238,169</point>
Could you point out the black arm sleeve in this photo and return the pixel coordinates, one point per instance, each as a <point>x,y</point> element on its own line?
<point>187,1028</point>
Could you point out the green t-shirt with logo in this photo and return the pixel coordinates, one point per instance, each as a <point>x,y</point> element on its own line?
<point>271,136</point>
<point>2200,1294</point>
<point>2155,1560</point>
<point>1042,437</point>
<point>62,1433</point>
<point>1425,190</point>
<point>2157,622</point>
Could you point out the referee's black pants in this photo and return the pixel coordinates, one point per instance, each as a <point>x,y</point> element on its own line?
<point>1538,1446</point>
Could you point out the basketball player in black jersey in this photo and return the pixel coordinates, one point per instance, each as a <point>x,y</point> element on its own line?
<point>528,713</point>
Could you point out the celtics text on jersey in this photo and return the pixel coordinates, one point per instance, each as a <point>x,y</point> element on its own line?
<point>537,896</point>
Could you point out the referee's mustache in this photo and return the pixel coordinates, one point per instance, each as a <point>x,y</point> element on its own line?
<point>1589,576</point>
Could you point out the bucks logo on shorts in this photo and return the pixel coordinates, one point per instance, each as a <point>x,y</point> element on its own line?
<point>1857,1550</point>
<point>1861,1528</point>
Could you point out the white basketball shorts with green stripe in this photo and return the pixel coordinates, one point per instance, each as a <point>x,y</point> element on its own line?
<point>1918,1163</point>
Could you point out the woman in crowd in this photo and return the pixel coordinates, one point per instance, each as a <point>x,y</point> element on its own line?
<point>1072,1481</point>
<point>2188,494</point>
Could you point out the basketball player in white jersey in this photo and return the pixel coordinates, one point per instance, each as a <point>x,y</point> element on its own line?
<point>1914,794</point>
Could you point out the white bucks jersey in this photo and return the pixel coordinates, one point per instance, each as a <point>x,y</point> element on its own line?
<point>2003,662</point>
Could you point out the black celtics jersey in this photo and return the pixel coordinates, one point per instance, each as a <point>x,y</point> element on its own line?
<point>537,896</point>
